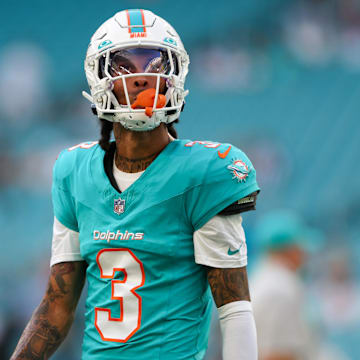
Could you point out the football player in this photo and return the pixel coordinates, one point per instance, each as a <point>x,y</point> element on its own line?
<point>152,222</point>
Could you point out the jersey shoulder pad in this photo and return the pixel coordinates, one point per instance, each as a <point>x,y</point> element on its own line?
<point>216,162</point>
<point>231,162</point>
<point>72,159</point>
<point>221,174</point>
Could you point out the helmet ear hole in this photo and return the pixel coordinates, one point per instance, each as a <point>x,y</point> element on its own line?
<point>101,70</point>
<point>176,63</point>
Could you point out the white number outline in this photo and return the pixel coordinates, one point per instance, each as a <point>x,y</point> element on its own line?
<point>120,299</point>
<point>84,145</point>
<point>207,144</point>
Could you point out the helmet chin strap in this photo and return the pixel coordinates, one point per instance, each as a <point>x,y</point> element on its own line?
<point>139,122</point>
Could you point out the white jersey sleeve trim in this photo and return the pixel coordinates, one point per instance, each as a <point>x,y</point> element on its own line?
<point>221,242</point>
<point>65,244</point>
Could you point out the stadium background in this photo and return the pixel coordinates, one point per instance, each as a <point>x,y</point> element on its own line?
<point>280,79</point>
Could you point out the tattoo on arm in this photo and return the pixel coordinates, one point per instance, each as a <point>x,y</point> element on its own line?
<point>228,285</point>
<point>59,272</point>
<point>39,340</point>
<point>52,319</point>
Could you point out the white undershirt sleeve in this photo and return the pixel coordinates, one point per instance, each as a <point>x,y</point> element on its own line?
<point>238,331</point>
<point>221,242</point>
<point>65,244</point>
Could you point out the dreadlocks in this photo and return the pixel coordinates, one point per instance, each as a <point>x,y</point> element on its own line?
<point>107,128</point>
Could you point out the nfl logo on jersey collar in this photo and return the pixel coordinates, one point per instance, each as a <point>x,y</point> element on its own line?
<point>239,170</point>
<point>119,206</point>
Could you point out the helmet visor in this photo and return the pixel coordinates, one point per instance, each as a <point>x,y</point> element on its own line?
<point>138,60</point>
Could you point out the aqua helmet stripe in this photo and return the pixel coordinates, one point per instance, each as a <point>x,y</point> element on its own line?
<point>136,18</point>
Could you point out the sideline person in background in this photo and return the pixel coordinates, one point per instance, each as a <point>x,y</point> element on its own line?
<point>278,290</point>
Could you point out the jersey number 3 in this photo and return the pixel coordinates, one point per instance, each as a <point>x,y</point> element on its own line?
<point>123,328</point>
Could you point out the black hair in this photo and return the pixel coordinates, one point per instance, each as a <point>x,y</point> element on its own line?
<point>171,129</point>
<point>107,128</point>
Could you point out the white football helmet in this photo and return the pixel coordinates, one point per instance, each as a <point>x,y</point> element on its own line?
<point>133,29</point>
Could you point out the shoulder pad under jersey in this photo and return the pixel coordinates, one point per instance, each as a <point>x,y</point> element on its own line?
<point>223,174</point>
<point>70,160</point>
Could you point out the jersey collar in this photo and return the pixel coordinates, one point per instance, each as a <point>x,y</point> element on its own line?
<point>101,170</point>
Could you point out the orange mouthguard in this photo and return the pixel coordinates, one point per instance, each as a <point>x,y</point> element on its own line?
<point>146,100</point>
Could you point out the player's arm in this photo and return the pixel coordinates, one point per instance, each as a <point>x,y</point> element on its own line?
<point>229,182</point>
<point>228,285</point>
<point>220,245</point>
<point>230,290</point>
<point>52,319</point>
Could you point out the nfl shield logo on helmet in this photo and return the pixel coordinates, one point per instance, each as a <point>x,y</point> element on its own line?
<point>119,206</point>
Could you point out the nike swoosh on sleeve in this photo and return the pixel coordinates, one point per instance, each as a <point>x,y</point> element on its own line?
<point>231,252</point>
<point>225,153</point>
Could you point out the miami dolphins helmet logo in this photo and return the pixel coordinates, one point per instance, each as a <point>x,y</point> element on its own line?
<point>239,170</point>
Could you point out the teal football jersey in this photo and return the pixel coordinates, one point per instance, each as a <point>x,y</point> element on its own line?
<point>147,298</point>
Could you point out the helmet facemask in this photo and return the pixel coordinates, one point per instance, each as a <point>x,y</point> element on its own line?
<point>153,66</point>
<point>160,66</point>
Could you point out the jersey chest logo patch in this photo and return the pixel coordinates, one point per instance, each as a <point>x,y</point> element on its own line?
<point>239,170</point>
<point>119,206</point>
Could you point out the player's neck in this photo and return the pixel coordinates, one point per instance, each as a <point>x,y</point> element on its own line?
<point>136,150</point>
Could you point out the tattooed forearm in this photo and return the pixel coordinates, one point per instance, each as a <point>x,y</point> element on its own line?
<point>59,272</point>
<point>228,285</point>
<point>52,320</point>
<point>40,339</point>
